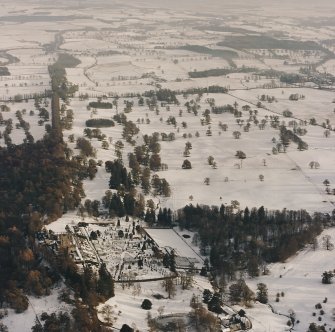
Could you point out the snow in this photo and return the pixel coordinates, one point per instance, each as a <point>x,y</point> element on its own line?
<point>170,239</point>
<point>300,280</point>
<point>129,305</point>
<point>147,42</point>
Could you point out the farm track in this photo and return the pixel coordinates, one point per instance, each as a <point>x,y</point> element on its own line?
<point>86,69</point>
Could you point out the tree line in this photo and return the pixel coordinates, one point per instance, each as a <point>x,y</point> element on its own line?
<point>249,239</point>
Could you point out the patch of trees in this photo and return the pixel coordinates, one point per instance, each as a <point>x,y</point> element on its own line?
<point>144,159</point>
<point>55,322</point>
<point>129,130</point>
<point>220,72</point>
<point>168,137</point>
<point>4,71</point>
<point>213,301</point>
<point>66,118</point>
<point>296,97</point>
<point>239,292</point>
<point>126,328</point>
<point>327,277</point>
<point>147,154</point>
<point>164,217</point>
<point>192,91</point>
<point>165,95</point>
<point>121,205</point>
<point>120,118</point>
<point>267,42</point>
<point>267,98</point>
<point>314,164</point>
<point>99,123</point>
<point>292,78</point>
<point>171,121</point>
<point>85,146</point>
<point>223,109</point>
<point>93,289</point>
<point>38,183</point>
<point>262,293</point>
<point>287,114</point>
<point>107,52</point>
<point>59,82</point>
<point>100,104</point>
<point>39,175</point>
<point>44,114</point>
<point>210,89</point>
<point>249,239</point>
<point>67,60</point>
<point>55,44</point>
<point>201,91</point>
<point>151,142</point>
<point>186,164</point>
<point>223,28</point>
<point>22,124</point>
<point>94,133</point>
<point>287,135</point>
<point>160,186</point>
<point>226,54</point>
<point>120,178</point>
<point>125,202</point>
<point>316,328</point>
<point>270,73</point>
<point>42,111</point>
<point>203,319</point>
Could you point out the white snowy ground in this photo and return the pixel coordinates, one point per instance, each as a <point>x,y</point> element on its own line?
<point>129,305</point>
<point>283,186</point>
<point>300,280</point>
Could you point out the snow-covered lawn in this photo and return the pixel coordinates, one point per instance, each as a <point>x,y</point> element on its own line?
<point>299,278</point>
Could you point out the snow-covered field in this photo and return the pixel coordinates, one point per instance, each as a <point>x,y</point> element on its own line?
<point>288,180</point>
<point>133,51</point>
<point>300,281</point>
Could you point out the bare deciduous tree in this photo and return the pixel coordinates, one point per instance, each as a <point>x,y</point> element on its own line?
<point>327,243</point>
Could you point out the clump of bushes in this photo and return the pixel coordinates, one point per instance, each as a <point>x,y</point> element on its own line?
<point>146,304</point>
